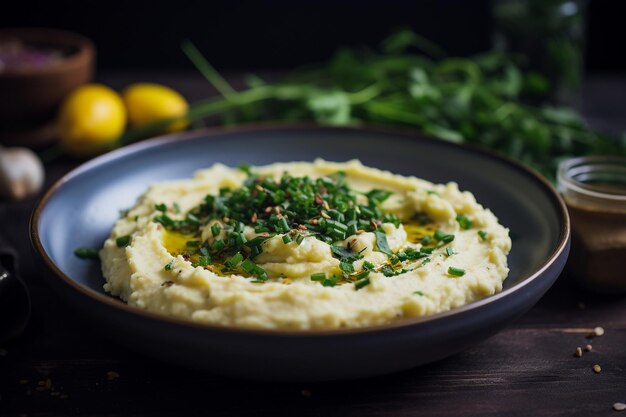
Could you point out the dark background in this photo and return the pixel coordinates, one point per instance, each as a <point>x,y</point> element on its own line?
<point>283,34</point>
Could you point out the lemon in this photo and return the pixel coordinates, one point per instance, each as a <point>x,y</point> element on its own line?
<point>148,102</point>
<point>91,119</point>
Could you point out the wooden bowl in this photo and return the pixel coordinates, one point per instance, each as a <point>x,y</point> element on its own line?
<point>30,95</point>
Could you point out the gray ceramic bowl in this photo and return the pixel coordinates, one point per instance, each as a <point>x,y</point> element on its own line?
<point>80,210</point>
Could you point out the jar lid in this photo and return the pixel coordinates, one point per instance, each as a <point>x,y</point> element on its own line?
<point>594,181</point>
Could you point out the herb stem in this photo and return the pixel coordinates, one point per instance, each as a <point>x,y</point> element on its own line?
<point>207,70</point>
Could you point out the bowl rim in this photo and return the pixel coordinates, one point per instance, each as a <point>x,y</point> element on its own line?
<point>209,133</point>
<point>84,54</point>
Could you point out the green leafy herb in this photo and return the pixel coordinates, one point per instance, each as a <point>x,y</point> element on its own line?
<point>476,100</point>
<point>368,266</point>
<point>346,267</point>
<point>161,207</point>
<point>418,293</point>
<point>381,242</point>
<point>343,253</point>
<point>482,235</point>
<point>86,253</point>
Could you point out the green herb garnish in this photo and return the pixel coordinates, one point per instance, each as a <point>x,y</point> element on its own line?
<point>443,237</point>
<point>475,100</point>
<point>457,272</point>
<point>170,265</point>
<point>320,276</point>
<point>161,207</point>
<point>361,283</point>
<point>346,267</point>
<point>418,293</point>
<point>381,242</point>
<point>122,241</point>
<point>482,234</point>
<point>464,221</point>
<point>86,253</point>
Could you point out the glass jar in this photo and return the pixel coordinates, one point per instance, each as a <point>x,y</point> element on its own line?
<point>594,189</point>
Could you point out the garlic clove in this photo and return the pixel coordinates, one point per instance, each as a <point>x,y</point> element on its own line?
<point>21,173</point>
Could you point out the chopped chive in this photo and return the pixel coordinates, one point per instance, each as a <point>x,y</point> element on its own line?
<point>170,265</point>
<point>165,220</point>
<point>319,276</point>
<point>431,192</point>
<point>218,245</point>
<point>282,225</point>
<point>286,239</point>
<point>216,229</point>
<point>376,196</point>
<point>122,241</point>
<point>176,208</point>
<point>367,265</point>
<point>482,234</point>
<point>161,207</point>
<point>443,237</point>
<point>204,260</point>
<point>450,251</point>
<point>426,240</point>
<point>86,253</point>
<point>418,293</point>
<point>425,261</point>
<point>330,282</point>
<point>464,221</point>
<point>234,261</point>
<point>248,266</point>
<point>457,272</point>
<point>192,243</point>
<point>361,283</point>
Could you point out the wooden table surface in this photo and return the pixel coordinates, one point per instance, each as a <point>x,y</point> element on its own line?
<point>63,366</point>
